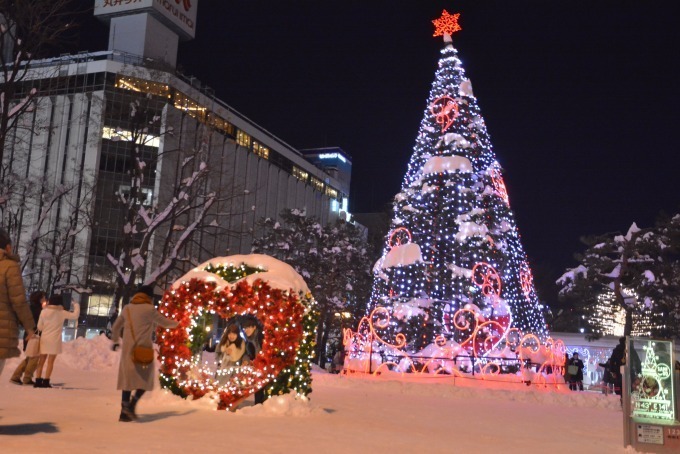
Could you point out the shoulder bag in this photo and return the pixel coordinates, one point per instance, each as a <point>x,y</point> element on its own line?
<point>33,347</point>
<point>140,355</point>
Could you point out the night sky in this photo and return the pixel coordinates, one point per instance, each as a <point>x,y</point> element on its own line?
<point>580,97</point>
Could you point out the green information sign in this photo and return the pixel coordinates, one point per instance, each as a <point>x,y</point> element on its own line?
<point>651,379</point>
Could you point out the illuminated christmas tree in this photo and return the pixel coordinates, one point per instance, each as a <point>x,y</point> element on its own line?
<point>453,271</point>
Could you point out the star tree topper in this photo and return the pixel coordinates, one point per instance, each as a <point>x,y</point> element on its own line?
<point>447,24</point>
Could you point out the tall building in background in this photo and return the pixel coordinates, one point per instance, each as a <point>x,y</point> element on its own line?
<point>83,110</point>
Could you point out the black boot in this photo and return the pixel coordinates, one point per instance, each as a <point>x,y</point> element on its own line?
<point>125,414</point>
<point>38,383</point>
<point>133,407</point>
<point>46,383</point>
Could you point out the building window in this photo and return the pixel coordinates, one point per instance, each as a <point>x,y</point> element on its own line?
<point>120,134</point>
<point>145,194</point>
<point>99,305</point>
<point>221,125</point>
<point>332,193</point>
<point>316,184</point>
<point>260,150</point>
<point>243,139</point>
<point>189,106</point>
<point>143,86</point>
<point>300,174</point>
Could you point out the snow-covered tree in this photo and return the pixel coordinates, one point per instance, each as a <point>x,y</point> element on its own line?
<point>161,215</point>
<point>633,273</point>
<point>43,211</point>
<point>333,259</point>
<point>27,30</point>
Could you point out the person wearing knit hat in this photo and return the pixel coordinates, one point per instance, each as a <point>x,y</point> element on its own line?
<point>146,289</point>
<point>50,325</point>
<point>136,325</point>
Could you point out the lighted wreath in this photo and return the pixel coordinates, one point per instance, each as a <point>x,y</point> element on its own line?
<point>236,287</point>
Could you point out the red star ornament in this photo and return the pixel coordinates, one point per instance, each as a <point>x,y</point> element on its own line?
<point>447,24</point>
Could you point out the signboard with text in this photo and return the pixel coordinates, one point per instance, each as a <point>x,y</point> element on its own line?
<point>179,15</point>
<point>651,379</point>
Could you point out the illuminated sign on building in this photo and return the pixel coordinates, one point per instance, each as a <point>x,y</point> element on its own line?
<point>332,156</point>
<point>179,14</point>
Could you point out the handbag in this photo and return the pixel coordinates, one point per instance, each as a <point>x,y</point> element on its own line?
<point>572,369</point>
<point>140,354</point>
<point>33,347</point>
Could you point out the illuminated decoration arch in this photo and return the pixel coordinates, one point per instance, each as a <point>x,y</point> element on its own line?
<point>236,287</point>
<point>445,111</point>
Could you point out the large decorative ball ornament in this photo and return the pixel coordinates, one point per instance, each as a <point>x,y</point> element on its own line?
<point>235,288</point>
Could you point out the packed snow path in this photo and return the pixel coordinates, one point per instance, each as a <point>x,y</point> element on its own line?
<point>343,415</point>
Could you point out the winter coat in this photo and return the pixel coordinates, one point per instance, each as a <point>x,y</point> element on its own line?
<point>13,306</point>
<point>51,325</point>
<point>254,344</point>
<point>579,375</point>
<point>144,318</point>
<point>232,353</point>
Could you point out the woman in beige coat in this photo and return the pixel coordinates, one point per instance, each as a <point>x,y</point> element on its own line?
<point>140,317</point>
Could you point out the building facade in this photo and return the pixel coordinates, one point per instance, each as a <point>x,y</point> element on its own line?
<point>80,135</point>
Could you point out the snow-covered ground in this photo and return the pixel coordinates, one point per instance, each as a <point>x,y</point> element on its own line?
<point>343,415</point>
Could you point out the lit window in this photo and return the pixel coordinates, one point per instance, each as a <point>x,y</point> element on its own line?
<point>145,196</point>
<point>300,174</point>
<point>243,139</point>
<point>189,106</point>
<point>332,193</point>
<point>260,150</point>
<point>99,305</point>
<point>143,86</point>
<point>316,184</point>
<point>121,134</point>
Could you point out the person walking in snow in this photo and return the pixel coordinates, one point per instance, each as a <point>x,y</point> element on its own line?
<point>50,326</point>
<point>37,301</point>
<point>136,324</point>
<point>13,306</point>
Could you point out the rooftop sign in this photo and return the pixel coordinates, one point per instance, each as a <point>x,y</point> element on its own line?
<point>178,15</point>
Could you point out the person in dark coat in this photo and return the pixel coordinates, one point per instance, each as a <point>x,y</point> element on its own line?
<point>616,360</point>
<point>254,338</point>
<point>576,367</point>
<point>13,307</point>
<point>37,301</point>
<point>141,317</point>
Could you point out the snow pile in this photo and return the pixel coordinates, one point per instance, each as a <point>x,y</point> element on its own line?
<point>474,389</point>
<point>285,405</point>
<point>89,354</point>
